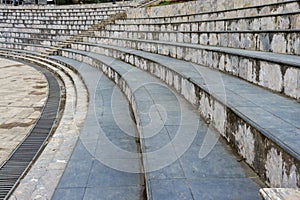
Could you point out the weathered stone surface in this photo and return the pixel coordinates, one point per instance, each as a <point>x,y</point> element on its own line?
<point>292,79</point>
<point>280,193</point>
<point>270,76</point>
<point>278,44</point>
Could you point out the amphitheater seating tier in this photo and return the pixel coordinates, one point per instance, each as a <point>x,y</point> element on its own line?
<point>238,68</point>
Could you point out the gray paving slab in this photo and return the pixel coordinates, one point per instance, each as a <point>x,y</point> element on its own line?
<point>127,193</point>
<point>226,189</point>
<point>172,140</point>
<point>69,193</point>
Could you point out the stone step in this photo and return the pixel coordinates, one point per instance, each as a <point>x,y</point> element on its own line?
<point>234,107</point>
<point>107,150</point>
<point>54,29</point>
<point>37,35</point>
<point>51,162</point>
<point>33,41</point>
<point>57,13</point>
<point>277,41</point>
<point>211,9</point>
<point>34,22</point>
<point>171,136</point>
<point>64,10</point>
<point>56,19</point>
<point>262,21</point>
<point>253,66</point>
<point>22,46</point>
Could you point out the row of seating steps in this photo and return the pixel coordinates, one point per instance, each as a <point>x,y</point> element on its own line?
<point>238,68</point>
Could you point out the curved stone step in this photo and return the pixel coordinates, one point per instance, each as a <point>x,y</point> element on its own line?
<point>267,40</point>
<point>62,9</point>
<point>234,107</point>
<point>52,161</point>
<point>252,66</point>
<point>232,8</point>
<point>172,135</point>
<point>214,23</point>
<point>106,157</point>
<point>27,151</point>
<point>22,46</point>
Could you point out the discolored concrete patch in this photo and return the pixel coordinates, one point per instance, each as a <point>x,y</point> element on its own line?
<point>23,92</point>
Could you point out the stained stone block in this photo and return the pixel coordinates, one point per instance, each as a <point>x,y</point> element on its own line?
<point>179,37</point>
<point>243,68</point>
<point>223,39</point>
<point>213,40</point>
<point>296,46</point>
<point>292,82</point>
<point>270,76</point>
<point>264,42</point>
<point>279,43</point>
<point>203,39</point>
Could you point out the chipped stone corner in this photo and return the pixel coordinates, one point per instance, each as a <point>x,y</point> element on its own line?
<point>281,169</point>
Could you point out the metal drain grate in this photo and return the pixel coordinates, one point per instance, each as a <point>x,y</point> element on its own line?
<point>25,153</point>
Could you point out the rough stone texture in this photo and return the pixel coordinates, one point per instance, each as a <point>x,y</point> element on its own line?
<point>277,170</point>
<point>292,78</point>
<point>194,7</point>
<point>279,44</point>
<point>200,6</point>
<point>280,193</point>
<point>270,76</point>
<point>23,92</point>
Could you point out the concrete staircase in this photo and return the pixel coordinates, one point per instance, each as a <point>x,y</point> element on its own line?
<point>222,69</point>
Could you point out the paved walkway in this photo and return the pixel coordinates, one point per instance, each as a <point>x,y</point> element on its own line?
<point>196,163</point>
<point>23,92</point>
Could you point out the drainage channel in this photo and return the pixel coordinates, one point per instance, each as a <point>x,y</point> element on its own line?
<point>21,159</point>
